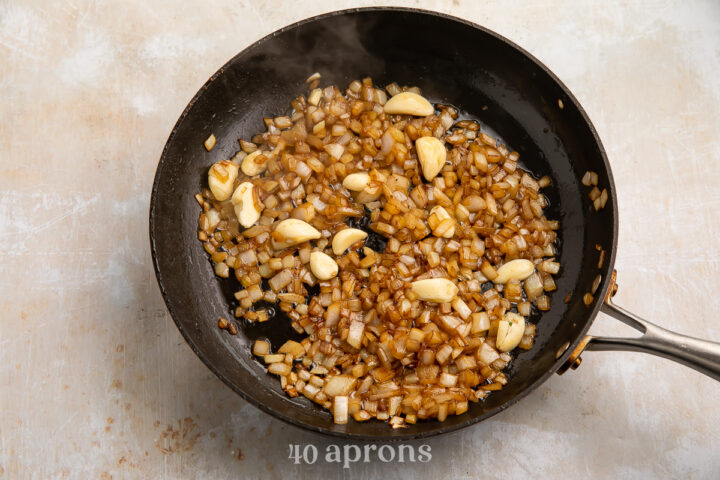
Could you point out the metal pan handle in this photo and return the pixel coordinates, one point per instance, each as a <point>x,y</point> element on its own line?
<point>702,355</point>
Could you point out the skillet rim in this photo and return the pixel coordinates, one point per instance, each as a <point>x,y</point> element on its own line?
<point>441,428</point>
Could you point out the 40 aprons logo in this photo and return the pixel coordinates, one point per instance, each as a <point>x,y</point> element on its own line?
<point>308,454</point>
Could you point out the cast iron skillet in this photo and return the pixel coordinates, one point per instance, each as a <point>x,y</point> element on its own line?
<point>514,96</point>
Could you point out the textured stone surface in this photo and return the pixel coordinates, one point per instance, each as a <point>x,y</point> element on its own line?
<point>96,381</point>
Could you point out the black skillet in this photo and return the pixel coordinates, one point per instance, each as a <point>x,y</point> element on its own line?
<point>512,94</point>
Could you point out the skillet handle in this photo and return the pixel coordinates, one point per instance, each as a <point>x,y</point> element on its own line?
<point>702,355</point>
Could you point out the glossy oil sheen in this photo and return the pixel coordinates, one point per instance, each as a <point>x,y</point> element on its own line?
<point>480,72</point>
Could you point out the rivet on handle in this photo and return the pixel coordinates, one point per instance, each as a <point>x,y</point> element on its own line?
<point>613,288</point>
<point>574,359</point>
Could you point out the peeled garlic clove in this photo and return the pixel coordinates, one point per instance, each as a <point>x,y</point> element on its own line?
<point>249,165</point>
<point>221,178</point>
<point>438,290</point>
<point>323,266</point>
<point>292,231</point>
<point>356,181</point>
<point>510,332</point>
<point>408,103</point>
<point>432,154</point>
<point>246,204</point>
<point>344,238</point>
<point>518,269</point>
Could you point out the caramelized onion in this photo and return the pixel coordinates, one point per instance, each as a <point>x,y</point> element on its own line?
<point>376,345</point>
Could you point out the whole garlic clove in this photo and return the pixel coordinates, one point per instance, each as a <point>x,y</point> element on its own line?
<point>438,290</point>
<point>408,103</point>
<point>510,332</point>
<point>246,204</point>
<point>344,238</point>
<point>254,164</point>
<point>356,181</point>
<point>292,231</point>
<point>432,155</point>
<point>323,266</point>
<point>518,269</point>
<point>221,178</point>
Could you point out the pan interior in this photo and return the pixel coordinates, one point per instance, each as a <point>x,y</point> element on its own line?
<point>482,74</point>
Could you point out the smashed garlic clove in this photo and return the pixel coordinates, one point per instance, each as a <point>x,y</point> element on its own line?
<point>510,332</point>
<point>518,269</point>
<point>250,165</point>
<point>292,231</point>
<point>432,155</point>
<point>323,266</point>
<point>344,238</point>
<point>246,205</point>
<point>409,103</point>
<point>438,290</point>
<point>221,178</point>
<point>356,181</point>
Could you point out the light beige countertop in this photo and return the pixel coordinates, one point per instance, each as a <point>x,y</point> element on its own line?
<point>96,381</point>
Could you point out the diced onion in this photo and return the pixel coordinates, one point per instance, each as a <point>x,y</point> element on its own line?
<point>339,385</point>
<point>340,410</point>
<point>409,327</point>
